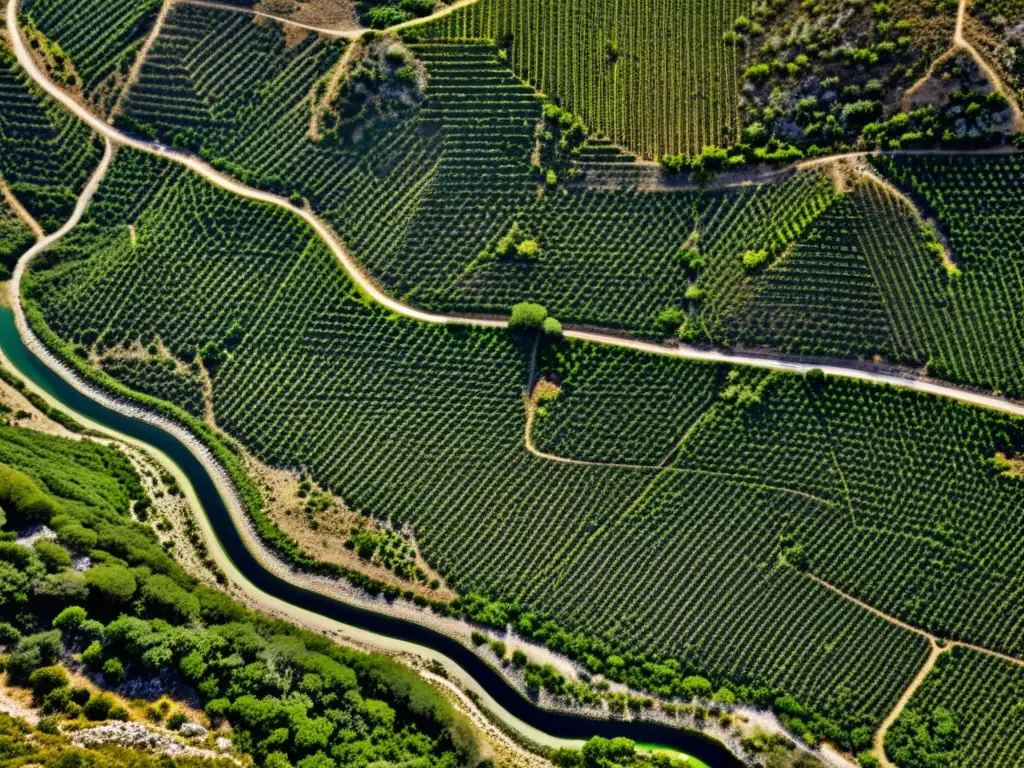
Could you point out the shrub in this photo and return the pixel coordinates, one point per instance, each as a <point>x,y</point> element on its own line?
<point>98,707</point>
<point>753,260</point>
<point>527,317</point>
<point>552,327</point>
<point>53,556</point>
<point>176,720</point>
<point>164,598</point>
<point>519,658</point>
<point>111,585</point>
<point>669,320</point>
<point>9,634</point>
<point>93,655</point>
<point>528,249</point>
<point>46,679</point>
<point>70,619</point>
<point>113,671</point>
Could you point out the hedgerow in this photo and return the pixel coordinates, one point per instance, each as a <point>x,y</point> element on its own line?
<point>46,154</point>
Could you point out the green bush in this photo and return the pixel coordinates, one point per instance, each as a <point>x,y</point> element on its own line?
<point>53,556</point>
<point>98,707</point>
<point>110,585</point>
<point>527,317</point>
<point>164,598</point>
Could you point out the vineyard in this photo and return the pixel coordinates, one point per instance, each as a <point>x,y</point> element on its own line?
<point>967,712</point>
<point>863,280</point>
<point>454,178</point>
<point>15,238</point>
<point>972,327</point>
<point>46,155</point>
<point>425,424</point>
<point>939,555</point>
<point>100,39</point>
<point>654,76</point>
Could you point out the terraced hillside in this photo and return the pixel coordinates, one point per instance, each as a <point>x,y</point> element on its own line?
<point>46,154</point>
<point>454,178</point>
<point>972,327</point>
<point>100,40</point>
<point>656,77</point>
<point>310,342</point>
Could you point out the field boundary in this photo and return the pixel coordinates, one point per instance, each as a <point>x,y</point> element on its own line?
<point>20,211</point>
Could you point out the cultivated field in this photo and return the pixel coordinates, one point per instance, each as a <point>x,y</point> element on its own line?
<point>317,379</point>
<point>652,75</point>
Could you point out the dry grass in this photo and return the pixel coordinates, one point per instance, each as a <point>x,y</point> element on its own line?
<point>340,14</point>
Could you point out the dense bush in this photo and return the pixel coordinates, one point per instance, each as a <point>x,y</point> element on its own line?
<point>283,689</point>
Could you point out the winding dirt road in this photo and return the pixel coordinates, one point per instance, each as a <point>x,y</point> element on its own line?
<point>368,286</point>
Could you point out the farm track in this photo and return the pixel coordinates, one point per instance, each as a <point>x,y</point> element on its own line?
<point>114,138</point>
<point>140,58</point>
<point>20,211</point>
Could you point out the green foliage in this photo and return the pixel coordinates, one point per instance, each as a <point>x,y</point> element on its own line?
<point>975,202</point>
<point>164,598</point>
<point>44,745</point>
<point>635,88</point>
<point>527,317</point>
<point>46,154</point>
<point>468,384</point>
<point>15,238</point>
<point>111,586</point>
<point>450,180</point>
<point>967,712</point>
<point>53,556</point>
<point>100,39</point>
<point>240,663</point>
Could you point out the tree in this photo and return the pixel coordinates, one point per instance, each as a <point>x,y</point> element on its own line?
<point>70,619</point>
<point>527,317</point>
<point>552,328</point>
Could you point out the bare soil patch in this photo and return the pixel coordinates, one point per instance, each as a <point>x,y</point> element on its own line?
<point>333,527</point>
<point>316,13</point>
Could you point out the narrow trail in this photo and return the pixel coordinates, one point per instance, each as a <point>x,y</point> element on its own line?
<point>140,60</point>
<point>961,43</point>
<point>20,210</point>
<point>878,741</point>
